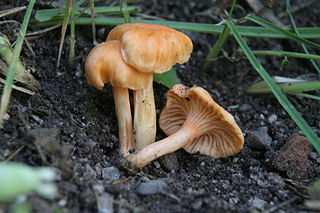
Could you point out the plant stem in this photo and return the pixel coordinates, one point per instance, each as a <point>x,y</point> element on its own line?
<point>72,36</point>
<point>220,42</point>
<point>66,18</point>
<point>246,31</point>
<point>14,61</point>
<point>296,31</point>
<point>286,53</point>
<point>93,22</point>
<point>124,10</point>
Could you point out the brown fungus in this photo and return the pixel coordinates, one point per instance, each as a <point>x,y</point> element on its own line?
<point>195,122</point>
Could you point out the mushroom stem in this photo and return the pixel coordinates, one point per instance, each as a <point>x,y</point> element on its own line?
<point>162,147</point>
<point>144,117</point>
<point>123,112</point>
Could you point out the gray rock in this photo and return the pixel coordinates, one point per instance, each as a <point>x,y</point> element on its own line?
<point>89,174</point>
<point>272,118</point>
<point>259,139</point>
<point>245,107</point>
<point>313,155</point>
<point>110,174</point>
<point>257,203</point>
<point>170,162</point>
<point>152,187</point>
<point>276,179</point>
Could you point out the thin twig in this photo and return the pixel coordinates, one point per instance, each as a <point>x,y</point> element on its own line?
<point>43,31</point>
<point>12,11</point>
<point>12,155</point>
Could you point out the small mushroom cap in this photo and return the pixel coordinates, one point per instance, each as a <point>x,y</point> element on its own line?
<point>218,135</point>
<point>150,47</point>
<point>105,64</point>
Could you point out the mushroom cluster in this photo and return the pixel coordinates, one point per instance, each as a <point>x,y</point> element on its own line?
<point>128,59</point>
<point>191,118</point>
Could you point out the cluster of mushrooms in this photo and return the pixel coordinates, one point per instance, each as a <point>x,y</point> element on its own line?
<point>191,118</point>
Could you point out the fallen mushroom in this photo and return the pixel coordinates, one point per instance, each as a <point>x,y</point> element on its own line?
<point>105,64</point>
<point>151,49</point>
<point>195,122</point>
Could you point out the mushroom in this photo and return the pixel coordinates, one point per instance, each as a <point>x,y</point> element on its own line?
<point>105,64</point>
<point>151,49</point>
<point>195,122</point>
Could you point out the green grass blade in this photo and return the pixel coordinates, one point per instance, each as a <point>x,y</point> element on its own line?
<point>306,95</point>
<point>220,42</point>
<point>168,79</point>
<point>289,88</point>
<point>72,36</point>
<point>93,22</point>
<point>58,13</point>
<point>286,54</point>
<point>285,32</point>
<point>124,10</point>
<point>68,11</point>
<point>296,31</point>
<point>246,31</point>
<point>12,65</point>
<point>283,100</point>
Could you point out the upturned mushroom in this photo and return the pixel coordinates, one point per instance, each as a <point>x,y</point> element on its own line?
<point>105,64</point>
<point>150,49</point>
<point>195,122</point>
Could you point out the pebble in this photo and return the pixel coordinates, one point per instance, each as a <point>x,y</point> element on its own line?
<point>245,107</point>
<point>152,187</point>
<point>257,203</point>
<point>313,155</point>
<point>110,174</point>
<point>276,179</point>
<point>272,118</point>
<point>170,162</point>
<point>259,139</point>
<point>89,174</point>
<point>293,157</point>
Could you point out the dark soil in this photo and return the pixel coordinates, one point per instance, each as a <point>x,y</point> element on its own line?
<point>72,126</point>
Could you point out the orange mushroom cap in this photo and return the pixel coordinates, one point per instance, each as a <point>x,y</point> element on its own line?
<point>152,48</point>
<point>105,64</point>
<point>217,133</point>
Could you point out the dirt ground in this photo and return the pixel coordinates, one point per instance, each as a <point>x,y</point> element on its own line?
<point>72,126</point>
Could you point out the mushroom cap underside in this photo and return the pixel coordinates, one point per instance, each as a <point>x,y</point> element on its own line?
<point>152,48</point>
<point>217,133</point>
<point>105,64</point>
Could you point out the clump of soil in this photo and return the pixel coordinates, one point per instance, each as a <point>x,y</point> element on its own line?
<point>72,126</point>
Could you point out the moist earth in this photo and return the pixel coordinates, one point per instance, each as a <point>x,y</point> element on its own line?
<point>72,127</point>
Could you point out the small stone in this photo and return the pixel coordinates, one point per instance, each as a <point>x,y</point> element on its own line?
<point>262,183</point>
<point>245,107</point>
<point>89,174</point>
<point>257,203</point>
<point>259,139</point>
<point>276,179</point>
<point>110,174</point>
<point>272,118</point>
<point>152,187</point>
<point>170,162</point>
<point>197,204</point>
<point>313,155</point>
<point>293,157</point>
<point>62,202</point>
<point>6,116</point>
